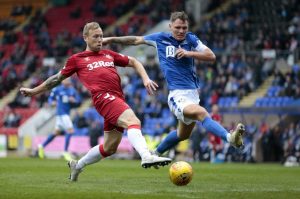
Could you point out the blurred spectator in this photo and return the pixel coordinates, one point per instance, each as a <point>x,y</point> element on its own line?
<point>20,101</point>
<point>11,118</point>
<point>9,36</point>
<point>95,131</point>
<point>216,143</point>
<point>21,10</point>
<point>75,14</point>
<point>197,136</point>
<point>99,8</point>
<point>79,120</point>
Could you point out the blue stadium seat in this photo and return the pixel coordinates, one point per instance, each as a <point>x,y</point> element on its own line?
<point>274,101</point>
<point>228,101</point>
<point>258,102</point>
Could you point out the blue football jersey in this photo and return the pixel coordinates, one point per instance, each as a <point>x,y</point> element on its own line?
<point>179,73</point>
<point>61,95</point>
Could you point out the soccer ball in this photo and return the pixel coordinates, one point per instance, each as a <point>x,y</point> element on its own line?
<point>181,173</point>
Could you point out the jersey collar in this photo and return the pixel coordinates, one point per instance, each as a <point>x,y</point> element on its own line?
<point>178,42</point>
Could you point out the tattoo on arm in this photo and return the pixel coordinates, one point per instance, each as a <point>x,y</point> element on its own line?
<point>129,40</point>
<point>54,80</point>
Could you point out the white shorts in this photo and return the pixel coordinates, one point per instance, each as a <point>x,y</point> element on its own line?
<point>179,99</point>
<point>63,122</point>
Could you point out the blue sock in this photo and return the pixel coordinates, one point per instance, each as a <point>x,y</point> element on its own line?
<point>169,142</point>
<point>215,128</point>
<point>48,140</point>
<point>67,140</point>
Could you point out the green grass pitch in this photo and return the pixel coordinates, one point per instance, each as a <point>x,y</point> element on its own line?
<point>122,179</point>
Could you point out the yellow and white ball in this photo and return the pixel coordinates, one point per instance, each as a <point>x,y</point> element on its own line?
<point>181,173</point>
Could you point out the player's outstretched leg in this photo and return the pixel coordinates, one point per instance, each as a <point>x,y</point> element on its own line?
<point>67,156</point>
<point>155,161</point>
<point>137,140</point>
<point>74,172</point>
<point>236,136</point>
<point>94,155</point>
<point>169,142</point>
<point>41,152</point>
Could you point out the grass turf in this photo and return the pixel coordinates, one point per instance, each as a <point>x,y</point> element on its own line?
<point>34,178</point>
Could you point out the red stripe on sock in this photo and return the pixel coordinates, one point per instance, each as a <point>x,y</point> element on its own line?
<point>103,153</point>
<point>134,126</point>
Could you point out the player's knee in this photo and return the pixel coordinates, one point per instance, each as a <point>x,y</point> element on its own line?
<point>201,113</point>
<point>111,150</point>
<point>195,112</point>
<point>183,137</point>
<point>133,121</point>
<point>137,122</point>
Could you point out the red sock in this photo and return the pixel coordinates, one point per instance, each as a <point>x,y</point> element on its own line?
<point>134,126</point>
<point>103,153</point>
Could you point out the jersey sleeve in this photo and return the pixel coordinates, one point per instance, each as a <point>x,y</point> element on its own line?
<point>196,43</point>
<point>120,59</point>
<point>152,38</point>
<point>69,68</point>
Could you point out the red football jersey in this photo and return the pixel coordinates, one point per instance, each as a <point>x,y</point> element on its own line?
<point>215,140</point>
<point>216,117</point>
<point>97,70</point>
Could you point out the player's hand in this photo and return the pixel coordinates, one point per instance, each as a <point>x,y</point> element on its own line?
<point>72,99</point>
<point>150,86</point>
<point>27,92</point>
<point>53,103</point>
<point>180,53</point>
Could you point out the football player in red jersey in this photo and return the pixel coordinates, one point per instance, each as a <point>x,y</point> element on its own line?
<point>96,69</point>
<point>215,141</point>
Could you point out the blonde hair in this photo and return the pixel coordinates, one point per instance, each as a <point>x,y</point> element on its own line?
<point>90,26</point>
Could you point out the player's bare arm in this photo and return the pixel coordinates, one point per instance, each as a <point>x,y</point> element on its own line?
<point>126,40</point>
<point>205,55</point>
<point>148,83</point>
<point>50,83</point>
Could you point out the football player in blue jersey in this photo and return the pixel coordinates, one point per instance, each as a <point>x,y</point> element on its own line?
<point>64,97</point>
<point>176,51</point>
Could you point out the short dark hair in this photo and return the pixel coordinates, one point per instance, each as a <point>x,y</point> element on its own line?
<point>179,15</point>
